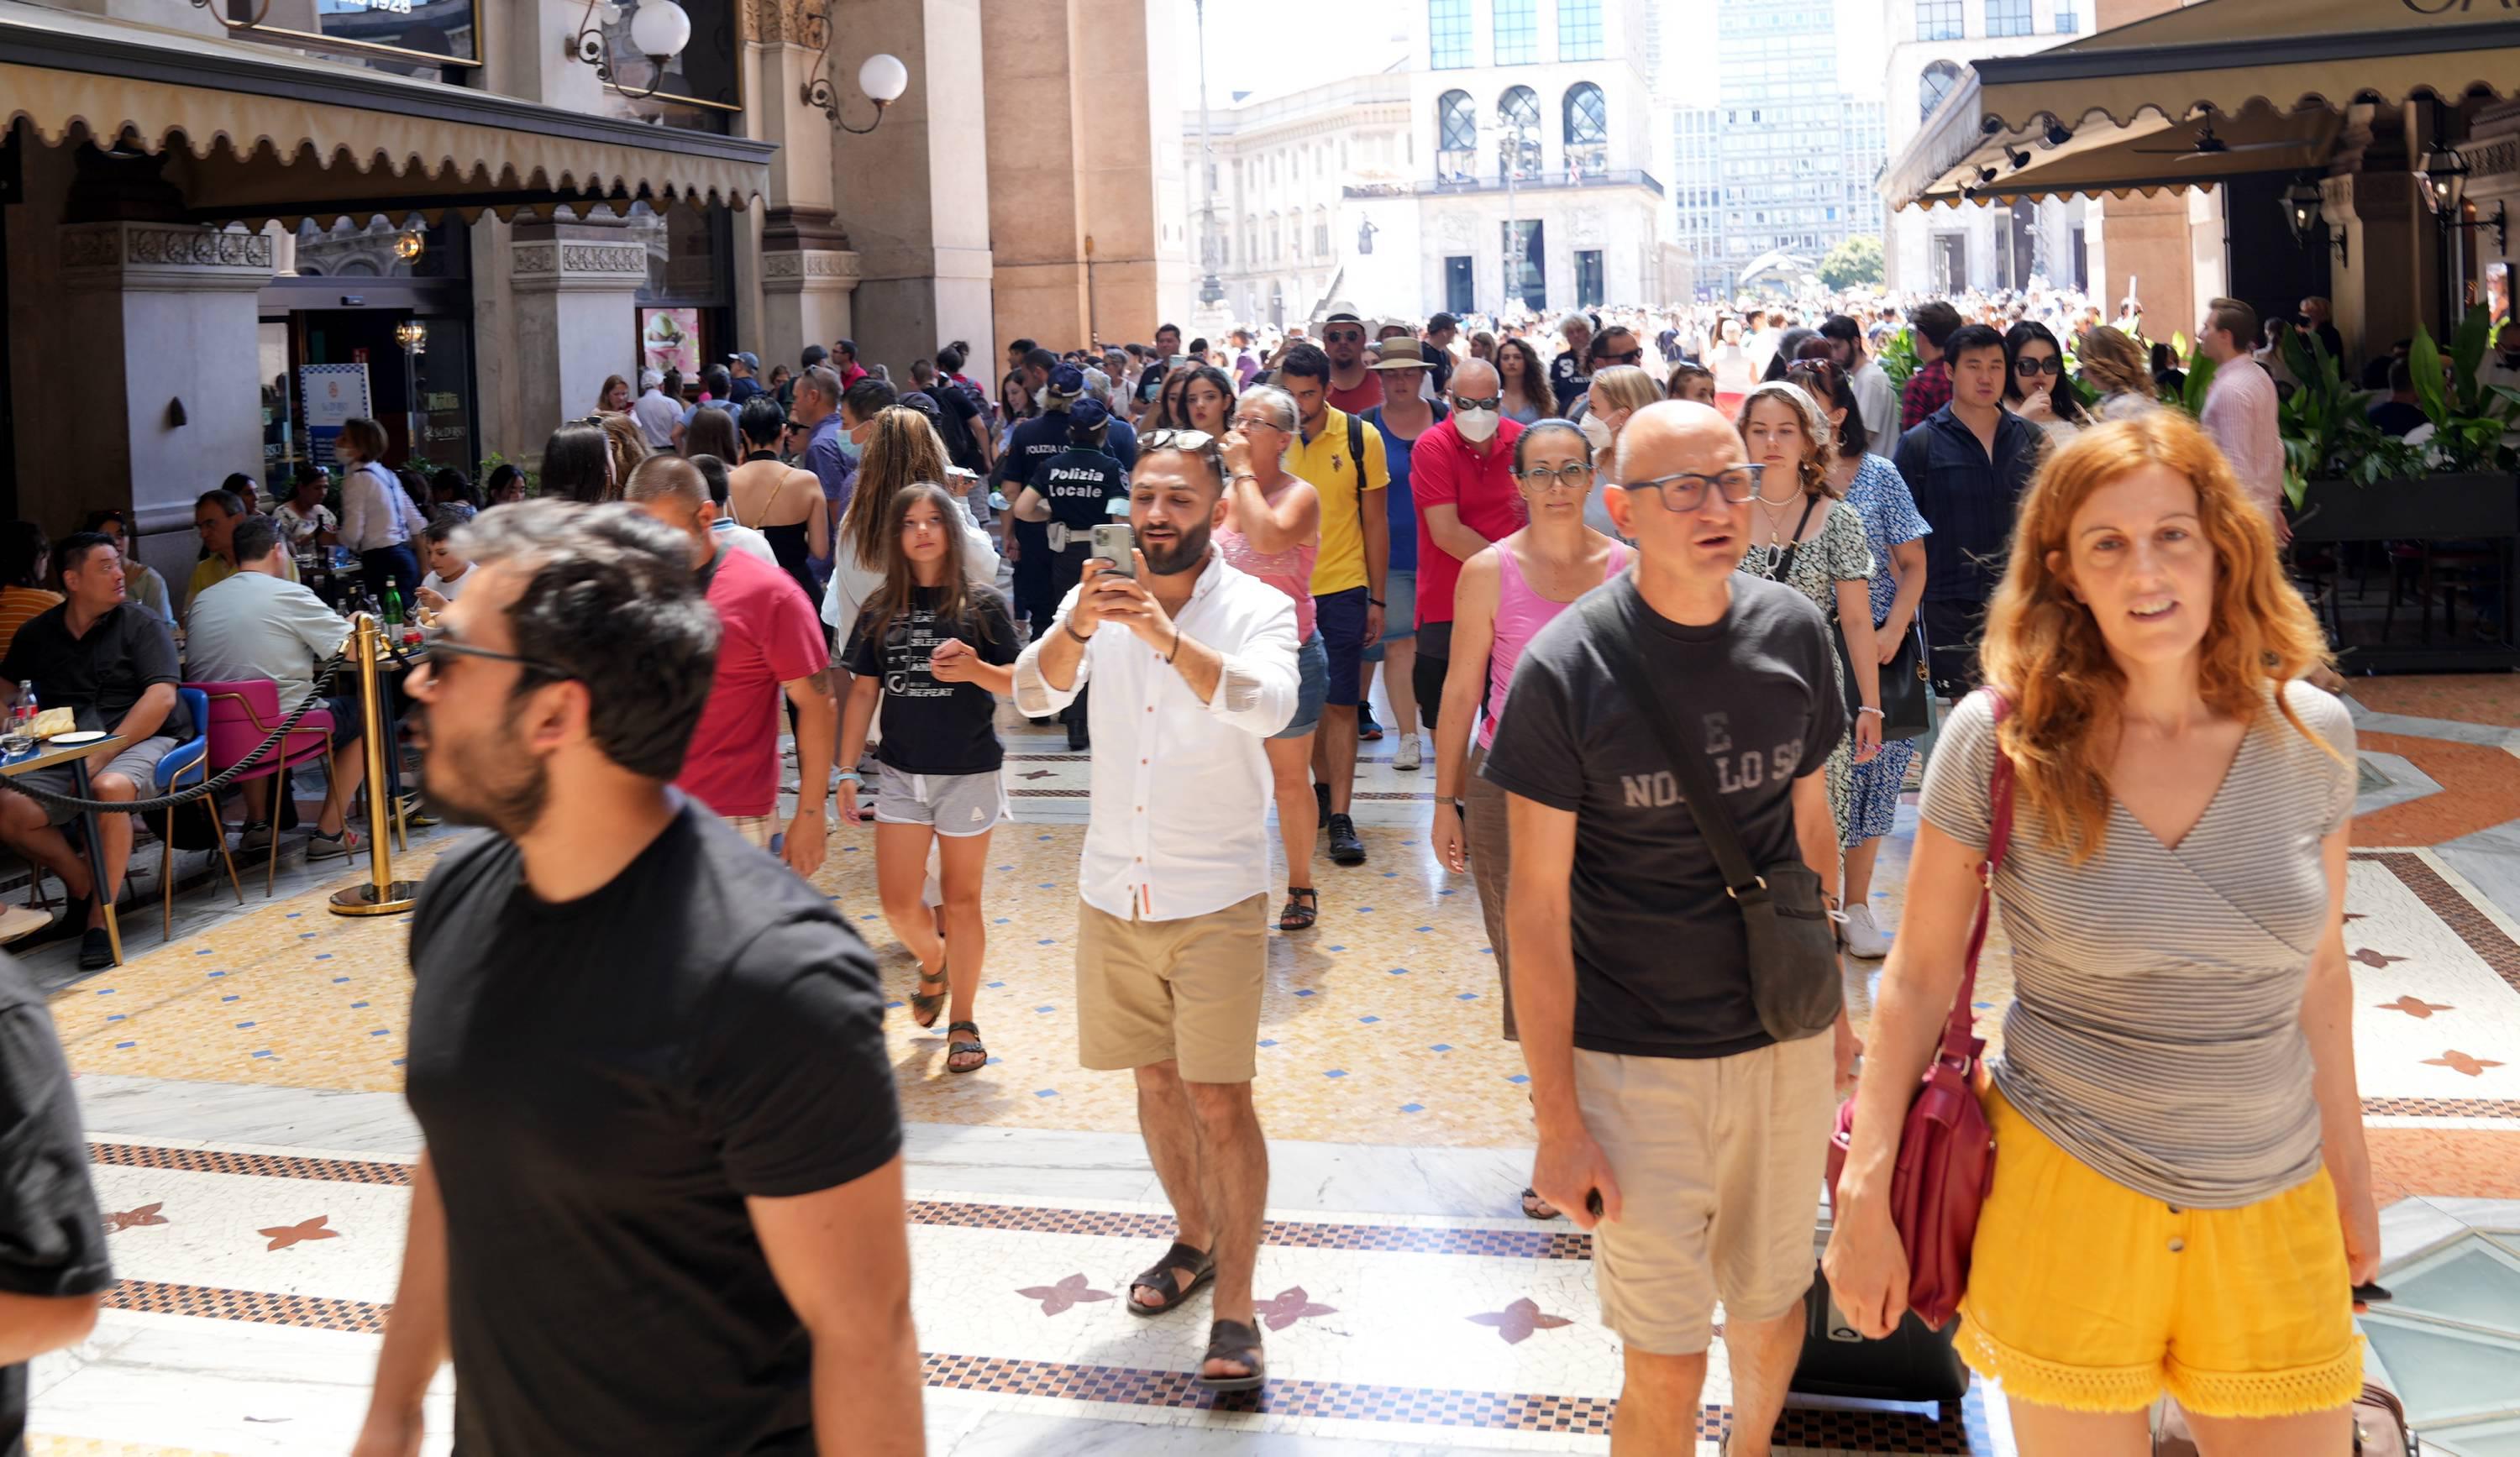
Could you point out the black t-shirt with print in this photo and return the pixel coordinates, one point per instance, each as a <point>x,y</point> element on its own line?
<point>52,1239</point>
<point>1567,380</point>
<point>932,728</point>
<point>1661,958</point>
<point>603,1083</point>
<point>1079,485</point>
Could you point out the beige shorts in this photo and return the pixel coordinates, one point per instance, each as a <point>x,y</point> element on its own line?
<point>1185,991</point>
<point>1719,1163</point>
<point>756,829</point>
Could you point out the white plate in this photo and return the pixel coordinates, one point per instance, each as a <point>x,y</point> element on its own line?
<point>73,740</point>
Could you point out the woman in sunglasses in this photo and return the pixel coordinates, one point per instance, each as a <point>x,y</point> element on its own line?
<point>2034,386</point>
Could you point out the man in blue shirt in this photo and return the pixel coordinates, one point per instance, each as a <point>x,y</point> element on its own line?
<point>747,381</point>
<point>818,410</point>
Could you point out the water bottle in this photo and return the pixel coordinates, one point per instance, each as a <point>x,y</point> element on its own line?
<point>393,605</point>
<point>19,736</point>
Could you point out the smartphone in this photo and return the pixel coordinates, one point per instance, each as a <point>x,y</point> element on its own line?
<point>1117,544</point>
<point>2371,1295</point>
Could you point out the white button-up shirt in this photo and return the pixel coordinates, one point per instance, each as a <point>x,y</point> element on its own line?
<point>1181,789</point>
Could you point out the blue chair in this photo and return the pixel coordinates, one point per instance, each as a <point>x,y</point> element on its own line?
<point>189,759</point>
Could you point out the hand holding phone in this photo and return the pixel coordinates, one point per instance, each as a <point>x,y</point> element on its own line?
<point>1115,545</point>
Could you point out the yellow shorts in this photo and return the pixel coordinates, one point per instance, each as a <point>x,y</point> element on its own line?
<point>2088,1296</point>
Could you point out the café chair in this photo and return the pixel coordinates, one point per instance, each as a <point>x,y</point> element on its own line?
<point>241,715</point>
<point>189,759</point>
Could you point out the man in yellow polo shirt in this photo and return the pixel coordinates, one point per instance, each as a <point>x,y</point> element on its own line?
<point>214,515</point>
<point>1343,458</point>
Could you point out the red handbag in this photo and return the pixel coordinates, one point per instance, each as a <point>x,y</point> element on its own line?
<point>1945,1149</point>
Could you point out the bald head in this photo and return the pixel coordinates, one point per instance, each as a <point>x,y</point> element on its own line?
<point>1475,377</point>
<point>1671,436</point>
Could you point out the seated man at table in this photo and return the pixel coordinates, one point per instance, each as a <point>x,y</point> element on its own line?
<point>215,516</point>
<point>256,625</point>
<point>112,664</point>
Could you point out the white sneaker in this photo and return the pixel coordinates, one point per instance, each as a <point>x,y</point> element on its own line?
<point>1863,939</point>
<point>1408,755</point>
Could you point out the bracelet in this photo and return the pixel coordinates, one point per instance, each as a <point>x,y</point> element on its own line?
<point>1868,708</point>
<point>850,776</point>
<point>1377,601</point>
<point>1072,631</point>
<point>1176,647</point>
<point>1247,475</point>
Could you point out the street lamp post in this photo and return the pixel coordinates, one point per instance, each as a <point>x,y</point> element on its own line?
<point>1211,293</point>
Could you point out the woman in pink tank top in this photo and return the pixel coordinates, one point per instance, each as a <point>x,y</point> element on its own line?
<point>1506,595</point>
<point>1273,531</point>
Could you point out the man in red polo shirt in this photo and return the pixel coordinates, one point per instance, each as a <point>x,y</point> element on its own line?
<point>769,641</point>
<point>1461,475</point>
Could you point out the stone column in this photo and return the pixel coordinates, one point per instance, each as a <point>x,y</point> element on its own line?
<point>161,318</point>
<point>2386,284</point>
<point>808,273</point>
<point>576,291</point>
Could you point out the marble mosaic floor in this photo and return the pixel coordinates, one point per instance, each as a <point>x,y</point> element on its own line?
<point>241,1082</point>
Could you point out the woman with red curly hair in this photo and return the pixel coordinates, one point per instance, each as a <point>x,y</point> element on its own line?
<point>2181,1198</point>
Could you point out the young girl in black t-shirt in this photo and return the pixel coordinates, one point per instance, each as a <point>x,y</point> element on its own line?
<point>933,652</point>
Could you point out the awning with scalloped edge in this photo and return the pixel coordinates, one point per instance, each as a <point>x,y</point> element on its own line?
<point>265,133</point>
<point>2084,118</point>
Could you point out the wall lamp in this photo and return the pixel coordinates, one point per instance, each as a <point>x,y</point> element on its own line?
<point>2301,206</point>
<point>2444,180</point>
<point>659,31</point>
<point>883,79</point>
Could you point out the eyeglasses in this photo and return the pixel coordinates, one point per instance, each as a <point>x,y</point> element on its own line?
<point>1249,423</point>
<point>1176,439</point>
<point>1574,478</point>
<point>1686,492</point>
<point>1633,356</point>
<point>450,646</point>
<point>2026,367</point>
<point>1467,402</point>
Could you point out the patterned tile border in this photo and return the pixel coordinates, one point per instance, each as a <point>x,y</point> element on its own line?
<point>266,1166</point>
<point>252,1306</point>
<point>2491,942</point>
<point>2440,1107</point>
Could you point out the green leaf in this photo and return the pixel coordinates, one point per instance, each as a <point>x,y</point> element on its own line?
<point>2200,378</point>
<point>2425,362</point>
<point>2466,355</point>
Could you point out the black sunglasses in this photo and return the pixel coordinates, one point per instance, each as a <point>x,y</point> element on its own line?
<point>2026,367</point>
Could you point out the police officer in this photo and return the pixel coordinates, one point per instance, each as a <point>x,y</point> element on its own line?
<point>1074,491</point>
<point>1033,444</point>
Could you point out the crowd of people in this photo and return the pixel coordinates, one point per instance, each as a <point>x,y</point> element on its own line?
<point>1649,616</point>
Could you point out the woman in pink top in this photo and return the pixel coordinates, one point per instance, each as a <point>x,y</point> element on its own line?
<point>1508,593</point>
<point>1271,531</point>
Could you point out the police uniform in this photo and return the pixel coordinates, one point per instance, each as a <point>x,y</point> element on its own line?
<point>1080,484</point>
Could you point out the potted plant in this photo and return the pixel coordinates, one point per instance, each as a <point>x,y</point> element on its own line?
<point>2350,482</point>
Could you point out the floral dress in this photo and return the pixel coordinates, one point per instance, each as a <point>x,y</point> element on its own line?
<point>1879,495</point>
<point>1838,553</point>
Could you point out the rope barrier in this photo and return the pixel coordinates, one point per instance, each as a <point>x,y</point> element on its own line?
<point>325,673</point>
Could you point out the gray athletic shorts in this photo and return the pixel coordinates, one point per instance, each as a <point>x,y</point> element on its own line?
<point>955,804</point>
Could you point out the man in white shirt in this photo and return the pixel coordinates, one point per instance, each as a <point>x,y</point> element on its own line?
<point>653,413</point>
<point>1193,665</point>
<point>1877,399</point>
<point>256,624</point>
<point>2241,409</point>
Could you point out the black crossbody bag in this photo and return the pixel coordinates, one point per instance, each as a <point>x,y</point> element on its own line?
<point>1794,976</point>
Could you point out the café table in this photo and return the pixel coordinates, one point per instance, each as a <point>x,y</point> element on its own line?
<point>46,755</point>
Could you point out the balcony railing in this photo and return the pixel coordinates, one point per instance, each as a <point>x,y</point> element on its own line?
<point>1534,180</point>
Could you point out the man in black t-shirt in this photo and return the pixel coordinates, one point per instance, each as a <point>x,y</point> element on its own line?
<point>964,419</point>
<point>52,1265</point>
<point>1074,492</point>
<point>661,1205</point>
<point>1655,1084</point>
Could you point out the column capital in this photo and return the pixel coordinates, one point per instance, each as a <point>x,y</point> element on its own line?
<point>564,265</point>
<point>163,258</point>
<point>804,251</point>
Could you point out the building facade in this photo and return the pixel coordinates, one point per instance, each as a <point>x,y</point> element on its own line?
<point>1946,251</point>
<point>1780,168</point>
<point>1509,130</point>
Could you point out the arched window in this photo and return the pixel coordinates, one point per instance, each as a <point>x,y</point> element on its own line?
<point>1587,131</point>
<point>1518,112</point>
<point>1935,84</point>
<point>1457,136</point>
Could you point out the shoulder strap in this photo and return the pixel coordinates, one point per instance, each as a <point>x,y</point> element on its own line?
<point>1785,558</point>
<point>1356,455</point>
<point>1614,636</point>
<point>1959,1028</point>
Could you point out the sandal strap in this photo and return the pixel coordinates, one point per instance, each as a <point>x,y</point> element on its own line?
<point>938,978</point>
<point>1158,1277</point>
<point>1233,1341</point>
<point>1311,893</point>
<point>974,1028</point>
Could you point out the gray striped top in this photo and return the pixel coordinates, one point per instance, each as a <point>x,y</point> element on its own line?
<point>2155,1028</point>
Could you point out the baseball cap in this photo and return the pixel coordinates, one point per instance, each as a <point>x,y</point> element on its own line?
<point>1066,382</point>
<point>1442,322</point>
<point>924,403</point>
<point>650,379</point>
<point>750,360</point>
<point>1086,416</point>
<point>814,354</point>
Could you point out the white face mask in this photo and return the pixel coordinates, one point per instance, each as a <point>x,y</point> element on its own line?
<point>1477,427</point>
<point>1596,430</point>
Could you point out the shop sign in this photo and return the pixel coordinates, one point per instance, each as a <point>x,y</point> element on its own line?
<point>334,393</point>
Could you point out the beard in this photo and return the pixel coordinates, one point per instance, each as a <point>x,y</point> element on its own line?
<point>1187,552</point>
<point>489,783</point>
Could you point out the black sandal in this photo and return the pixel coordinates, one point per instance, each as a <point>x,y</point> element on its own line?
<point>1233,1341</point>
<point>924,1008</point>
<point>1158,1277</point>
<point>1303,908</point>
<point>971,1048</point>
<point>1536,1208</point>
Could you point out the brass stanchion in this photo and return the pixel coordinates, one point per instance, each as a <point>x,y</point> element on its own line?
<point>382,895</point>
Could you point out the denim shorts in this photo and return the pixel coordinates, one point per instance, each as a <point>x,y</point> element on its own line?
<point>1311,678</point>
<point>1339,618</point>
<point>1400,619</point>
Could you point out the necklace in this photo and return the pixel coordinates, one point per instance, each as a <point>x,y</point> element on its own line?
<point>1770,555</point>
